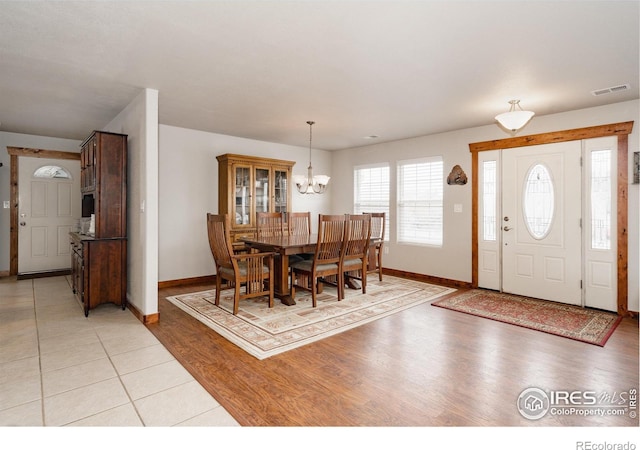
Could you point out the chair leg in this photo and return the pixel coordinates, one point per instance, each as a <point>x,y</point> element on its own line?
<point>364,276</point>
<point>271,293</point>
<point>380,263</point>
<point>314,288</point>
<point>236,299</point>
<point>218,287</point>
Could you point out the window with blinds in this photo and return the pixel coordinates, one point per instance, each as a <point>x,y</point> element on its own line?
<point>420,201</point>
<point>371,191</point>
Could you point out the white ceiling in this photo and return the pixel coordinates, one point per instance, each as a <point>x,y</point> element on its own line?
<point>260,70</point>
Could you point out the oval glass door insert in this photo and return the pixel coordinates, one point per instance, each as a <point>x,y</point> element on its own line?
<point>538,201</point>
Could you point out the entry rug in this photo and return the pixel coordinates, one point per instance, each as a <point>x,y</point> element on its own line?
<point>263,332</point>
<point>569,321</point>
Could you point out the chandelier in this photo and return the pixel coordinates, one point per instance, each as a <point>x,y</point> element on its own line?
<point>311,184</point>
<point>514,119</point>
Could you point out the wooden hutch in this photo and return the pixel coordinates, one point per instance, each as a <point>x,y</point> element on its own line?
<point>99,258</point>
<point>247,185</point>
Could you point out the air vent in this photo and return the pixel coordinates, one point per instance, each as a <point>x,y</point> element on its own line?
<point>610,90</point>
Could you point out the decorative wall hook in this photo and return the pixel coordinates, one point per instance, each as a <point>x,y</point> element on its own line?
<point>457,176</point>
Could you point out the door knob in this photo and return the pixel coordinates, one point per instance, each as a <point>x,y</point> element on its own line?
<point>22,224</point>
<point>507,228</point>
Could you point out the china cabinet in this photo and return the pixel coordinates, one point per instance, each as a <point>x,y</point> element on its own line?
<point>247,185</point>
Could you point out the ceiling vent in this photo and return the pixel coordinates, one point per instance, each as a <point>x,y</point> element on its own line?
<point>611,90</point>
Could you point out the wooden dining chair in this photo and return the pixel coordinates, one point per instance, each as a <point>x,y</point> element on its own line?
<point>253,271</point>
<point>326,259</point>
<point>353,262</point>
<point>299,223</point>
<point>378,222</point>
<point>269,224</point>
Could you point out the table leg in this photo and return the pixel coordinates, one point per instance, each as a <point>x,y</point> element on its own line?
<point>281,276</point>
<point>351,283</point>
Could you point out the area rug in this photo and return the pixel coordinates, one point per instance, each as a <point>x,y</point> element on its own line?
<point>264,332</point>
<point>569,321</point>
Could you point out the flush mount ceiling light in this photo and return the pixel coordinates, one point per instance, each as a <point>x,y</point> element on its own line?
<point>514,119</point>
<point>311,184</point>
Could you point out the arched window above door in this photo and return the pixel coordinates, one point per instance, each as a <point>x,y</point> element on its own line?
<point>52,172</point>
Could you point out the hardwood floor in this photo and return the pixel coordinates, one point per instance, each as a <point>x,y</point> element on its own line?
<point>425,366</point>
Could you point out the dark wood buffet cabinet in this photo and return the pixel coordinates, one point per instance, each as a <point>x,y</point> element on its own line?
<point>99,257</point>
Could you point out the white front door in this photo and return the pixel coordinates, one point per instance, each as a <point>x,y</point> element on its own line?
<point>48,207</point>
<point>541,222</point>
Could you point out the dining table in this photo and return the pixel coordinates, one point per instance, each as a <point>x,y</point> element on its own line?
<point>284,247</point>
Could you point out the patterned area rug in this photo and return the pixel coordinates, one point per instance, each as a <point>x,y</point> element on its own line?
<point>573,322</point>
<point>263,331</point>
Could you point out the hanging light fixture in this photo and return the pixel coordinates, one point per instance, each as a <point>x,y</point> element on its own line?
<point>311,184</point>
<point>515,118</point>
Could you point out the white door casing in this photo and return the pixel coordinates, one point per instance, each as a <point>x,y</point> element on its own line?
<point>599,224</point>
<point>47,211</point>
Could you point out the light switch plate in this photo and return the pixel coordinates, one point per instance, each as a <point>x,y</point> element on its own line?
<point>457,207</point>
<point>6,204</point>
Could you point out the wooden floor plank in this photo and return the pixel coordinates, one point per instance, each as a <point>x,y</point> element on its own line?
<point>424,366</point>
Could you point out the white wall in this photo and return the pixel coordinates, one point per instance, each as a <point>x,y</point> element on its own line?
<point>29,141</point>
<point>139,120</point>
<point>188,171</point>
<point>168,240</point>
<point>453,259</point>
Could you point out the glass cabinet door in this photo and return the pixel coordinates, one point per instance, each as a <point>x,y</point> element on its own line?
<point>280,190</point>
<point>261,187</point>
<point>242,205</point>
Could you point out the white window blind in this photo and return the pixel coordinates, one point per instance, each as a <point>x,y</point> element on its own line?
<point>420,201</point>
<point>371,191</point>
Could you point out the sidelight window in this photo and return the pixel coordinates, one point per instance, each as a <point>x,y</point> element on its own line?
<point>601,199</point>
<point>489,200</point>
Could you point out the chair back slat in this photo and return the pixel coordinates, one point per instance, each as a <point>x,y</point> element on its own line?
<point>377,225</point>
<point>249,274</point>
<point>331,234</point>
<point>269,224</point>
<point>359,233</point>
<point>218,227</point>
<point>299,223</point>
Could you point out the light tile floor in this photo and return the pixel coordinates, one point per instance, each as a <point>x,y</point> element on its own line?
<point>60,368</point>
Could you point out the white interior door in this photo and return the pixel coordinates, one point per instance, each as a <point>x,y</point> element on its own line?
<point>541,222</point>
<point>48,207</point>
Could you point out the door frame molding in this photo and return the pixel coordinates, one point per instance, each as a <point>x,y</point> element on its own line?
<point>622,131</point>
<point>15,153</point>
